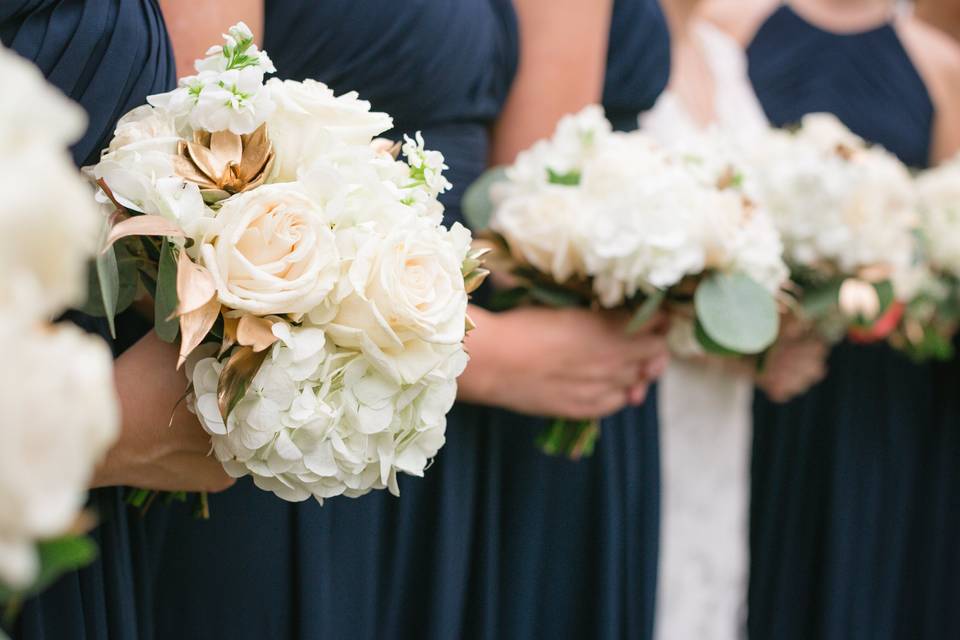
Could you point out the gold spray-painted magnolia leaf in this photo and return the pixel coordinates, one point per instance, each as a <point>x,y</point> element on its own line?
<point>235,379</point>
<point>195,326</point>
<point>195,285</point>
<point>255,332</point>
<point>224,163</point>
<point>146,225</point>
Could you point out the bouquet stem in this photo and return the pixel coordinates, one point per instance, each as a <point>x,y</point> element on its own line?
<point>571,438</point>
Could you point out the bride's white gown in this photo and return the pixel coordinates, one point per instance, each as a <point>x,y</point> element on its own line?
<point>705,423</point>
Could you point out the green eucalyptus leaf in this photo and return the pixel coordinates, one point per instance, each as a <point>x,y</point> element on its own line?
<point>476,204</point>
<point>708,343</point>
<point>505,299</point>
<point>108,279</point>
<point>821,300</point>
<point>736,313</point>
<point>128,277</point>
<point>885,294</point>
<point>555,297</point>
<point>165,299</point>
<point>646,311</point>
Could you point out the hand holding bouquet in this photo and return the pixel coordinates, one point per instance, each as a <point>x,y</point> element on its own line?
<point>319,301</point>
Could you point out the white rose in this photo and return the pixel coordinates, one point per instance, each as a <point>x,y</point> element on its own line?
<point>271,251</point>
<point>407,285</point>
<point>309,120</point>
<point>60,415</point>
<point>146,124</point>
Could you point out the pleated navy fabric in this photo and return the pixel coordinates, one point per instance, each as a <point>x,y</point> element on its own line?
<point>837,471</point>
<point>108,55</point>
<point>497,541</point>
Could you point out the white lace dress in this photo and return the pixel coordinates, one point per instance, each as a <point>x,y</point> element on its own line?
<point>705,425</point>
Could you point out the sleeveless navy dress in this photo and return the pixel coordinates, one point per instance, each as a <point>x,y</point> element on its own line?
<point>108,55</point>
<point>836,471</point>
<point>497,541</point>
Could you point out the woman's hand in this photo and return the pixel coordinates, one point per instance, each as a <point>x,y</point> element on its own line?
<point>796,362</point>
<point>152,452</point>
<point>568,363</point>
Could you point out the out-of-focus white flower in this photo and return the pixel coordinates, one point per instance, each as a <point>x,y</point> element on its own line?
<point>59,417</point>
<point>838,205</point>
<point>939,197</point>
<point>48,220</point>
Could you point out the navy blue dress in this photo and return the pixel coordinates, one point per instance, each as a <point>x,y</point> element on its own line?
<point>108,55</point>
<point>497,541</point>
<point>836,471</point>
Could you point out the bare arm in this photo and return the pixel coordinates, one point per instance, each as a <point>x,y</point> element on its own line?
<point>195,25</point>
<point>563,54</point>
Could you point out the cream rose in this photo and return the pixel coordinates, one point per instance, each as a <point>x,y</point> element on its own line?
<point>271,251</point>
<point>309,119</point>
<point>406,285</point>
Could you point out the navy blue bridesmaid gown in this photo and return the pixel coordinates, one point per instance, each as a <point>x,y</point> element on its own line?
<point>836,472</point>
<point>497,541</point>
<point>108,55</point>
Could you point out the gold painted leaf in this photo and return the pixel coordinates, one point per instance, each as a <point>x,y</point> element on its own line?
<point>255,332</point>
<point>146,225</point>
<point>195,326</point>
<point>195,285</point>
<point>235,379</point>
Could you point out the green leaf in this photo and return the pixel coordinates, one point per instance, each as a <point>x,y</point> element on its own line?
<point>646,311</point>
<point>477,205</point>
<point>885,294</point>
<point>505,299</point>
<point>57,557</point>
<point>555,297</point>
<point>129,279</point>
<point>570,178</point>
<point>707,342</point>
<point>108,278</point>
<point>822,300</point>
<point>736,313</point>
<point>165,299</point>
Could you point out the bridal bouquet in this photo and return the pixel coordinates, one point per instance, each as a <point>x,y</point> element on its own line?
<point>846,213</point>
<point>931,288</point>
<point>609,220</point>
<point>319,301</point>
<point>59,411</point>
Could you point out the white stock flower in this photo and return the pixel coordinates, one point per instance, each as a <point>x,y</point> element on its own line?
<point>309,120</point>
<point>60,415</point>
<point>228,92</point>
<point>271,250</point>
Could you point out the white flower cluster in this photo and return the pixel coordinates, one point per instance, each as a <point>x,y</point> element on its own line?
<point>631,215</point>
<point>341,252</point>
<point>56,385</point>
<point>938,192</point>
<point>839,205</point>
<point>227,93</point>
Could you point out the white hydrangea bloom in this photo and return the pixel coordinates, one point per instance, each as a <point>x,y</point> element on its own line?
<point>939,197</point>
<point>320,420</point>
<point>838,204</point>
